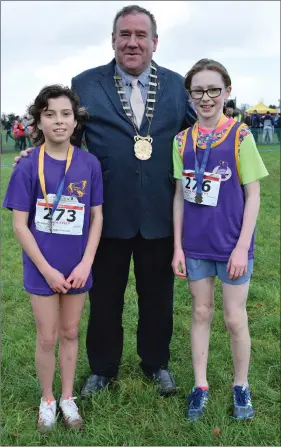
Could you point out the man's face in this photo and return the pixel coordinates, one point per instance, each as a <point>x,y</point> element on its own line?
<point>133,43</point>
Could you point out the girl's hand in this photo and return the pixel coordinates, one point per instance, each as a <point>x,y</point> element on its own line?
<point>238,263</point>
<point>57,281</point>
<point>178,263</point>
<point>79,275</point>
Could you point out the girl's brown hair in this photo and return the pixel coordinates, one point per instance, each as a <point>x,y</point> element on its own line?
<point>207,64</point>
<point>41,103</point>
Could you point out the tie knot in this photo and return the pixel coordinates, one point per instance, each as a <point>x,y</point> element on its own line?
<point>134,82</point>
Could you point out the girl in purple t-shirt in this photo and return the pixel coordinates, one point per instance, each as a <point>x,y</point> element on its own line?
<point>216,204</point>
<point>56,196</point>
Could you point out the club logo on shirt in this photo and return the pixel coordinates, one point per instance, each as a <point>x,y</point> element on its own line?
<point>77,189</point>
<point>224,170</point>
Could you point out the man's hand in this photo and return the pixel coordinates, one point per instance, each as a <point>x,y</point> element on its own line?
<point>23,154</point>
<point>79,275</point>
<point>238,263</point>
<point>178,263</point>
<point>57,281</point>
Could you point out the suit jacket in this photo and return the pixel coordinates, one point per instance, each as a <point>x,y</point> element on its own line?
<point>138,195</point>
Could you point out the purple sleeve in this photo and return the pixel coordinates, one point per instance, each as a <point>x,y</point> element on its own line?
<point>18,194</point>
<point>96,185</point>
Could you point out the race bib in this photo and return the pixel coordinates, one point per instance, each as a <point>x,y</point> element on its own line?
<point>210,187</point>
<point>67,219</point>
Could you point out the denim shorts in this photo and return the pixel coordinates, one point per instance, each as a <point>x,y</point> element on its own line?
<point>199,269</point>
<point>70,292</point>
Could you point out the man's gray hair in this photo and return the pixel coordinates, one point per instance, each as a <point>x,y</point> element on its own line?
<point>135,9</point>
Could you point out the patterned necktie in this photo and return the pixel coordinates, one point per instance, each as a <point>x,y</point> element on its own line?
<point>137,104</point>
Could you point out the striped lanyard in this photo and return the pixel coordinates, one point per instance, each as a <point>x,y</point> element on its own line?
<point>42,179</point>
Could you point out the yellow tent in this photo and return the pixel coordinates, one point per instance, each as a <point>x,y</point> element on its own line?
<point>261,108</point>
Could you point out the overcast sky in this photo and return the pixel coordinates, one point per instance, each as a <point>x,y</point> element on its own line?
<point>44,42</point>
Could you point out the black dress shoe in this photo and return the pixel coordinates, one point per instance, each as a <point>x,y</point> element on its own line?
<point>95,383</point>
<point>165,381</point>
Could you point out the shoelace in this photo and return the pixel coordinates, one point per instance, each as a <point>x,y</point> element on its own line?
<point>195,398</point>
<point>46,411</point>
<point>70,408</point>
<point>241,396</point>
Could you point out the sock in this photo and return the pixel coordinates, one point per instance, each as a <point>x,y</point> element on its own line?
<point>203,388</point>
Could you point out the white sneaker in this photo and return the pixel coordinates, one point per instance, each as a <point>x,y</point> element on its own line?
<point>47,415</point>
<point>70,413</point>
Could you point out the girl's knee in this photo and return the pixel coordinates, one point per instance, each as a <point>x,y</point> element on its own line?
<point>203,313</point>
<point>235,322</point>
<point>47,343</point>
<point>69,334</point>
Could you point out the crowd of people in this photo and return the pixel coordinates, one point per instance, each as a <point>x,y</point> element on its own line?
<point>264,125</point>
<point>20,132</point>
<point>261,125</point>
<point>151,188</point>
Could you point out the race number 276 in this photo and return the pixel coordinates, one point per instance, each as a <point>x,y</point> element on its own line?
<point>191,184</point>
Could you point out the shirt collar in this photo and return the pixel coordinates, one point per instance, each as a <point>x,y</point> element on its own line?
<point>143,78</point>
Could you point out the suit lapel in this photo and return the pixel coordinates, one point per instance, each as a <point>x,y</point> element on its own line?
<point>107,83</point>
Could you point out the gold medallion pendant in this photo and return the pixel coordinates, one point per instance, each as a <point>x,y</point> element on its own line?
<point>143,147</point>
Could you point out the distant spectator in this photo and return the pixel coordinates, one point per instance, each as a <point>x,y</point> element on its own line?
<point>268,128</point>
<point>229,108</point>
<point>22,136</point>
<point>8,127</point>
<point>25,123</point>
<point>237,116</point>
<point>256,122</point>
<point>30,130</point>
<point>278,126</point>
<point>247,119</point>
<point>16,134</point>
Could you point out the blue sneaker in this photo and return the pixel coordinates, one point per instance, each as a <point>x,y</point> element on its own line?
<point>242,405</point>
<point>196,402</point>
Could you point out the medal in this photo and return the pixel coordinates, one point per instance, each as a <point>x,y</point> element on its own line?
<point>41,176</point>
<point>198,198</point>
<point>143,147</point>
<point>200,170</point>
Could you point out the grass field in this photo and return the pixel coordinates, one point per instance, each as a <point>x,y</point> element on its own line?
<point>132,413</point>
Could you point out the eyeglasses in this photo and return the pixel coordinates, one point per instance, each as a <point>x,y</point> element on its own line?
<point>211,92</point>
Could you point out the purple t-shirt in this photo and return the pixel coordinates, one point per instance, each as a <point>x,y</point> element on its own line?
<point>83,183</point>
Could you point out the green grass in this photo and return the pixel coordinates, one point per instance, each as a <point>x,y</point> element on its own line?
<point>132,413</point>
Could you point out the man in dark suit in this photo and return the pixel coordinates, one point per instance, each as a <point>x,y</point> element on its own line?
<point>134,107</point>
<point>138,197</point>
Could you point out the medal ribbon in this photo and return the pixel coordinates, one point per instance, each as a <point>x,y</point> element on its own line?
<point>200,170</point>
<point>42,177</point>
